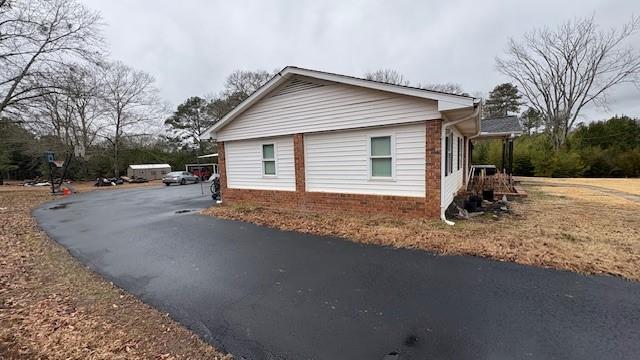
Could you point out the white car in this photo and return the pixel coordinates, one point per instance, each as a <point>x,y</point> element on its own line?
<point>180,177</point>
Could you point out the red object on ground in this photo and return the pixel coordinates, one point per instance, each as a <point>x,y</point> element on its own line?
<point>66,191</point>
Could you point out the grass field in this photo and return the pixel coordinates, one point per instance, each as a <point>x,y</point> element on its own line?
<point>631,186</point>
<point>52,307</point>
<point>574,228</point>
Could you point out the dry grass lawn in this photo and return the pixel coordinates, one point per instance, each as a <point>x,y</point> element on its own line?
<point>549,228</point>
<point>631,186</point>
<point>51,307</point>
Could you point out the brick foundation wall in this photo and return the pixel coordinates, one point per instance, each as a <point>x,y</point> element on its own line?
<point>414,207</point>
<point>320,201</point>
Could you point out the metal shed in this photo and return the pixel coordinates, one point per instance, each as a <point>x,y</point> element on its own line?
<point>148,171</point>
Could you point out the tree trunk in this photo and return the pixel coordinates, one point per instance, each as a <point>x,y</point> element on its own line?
<point>115,158</point>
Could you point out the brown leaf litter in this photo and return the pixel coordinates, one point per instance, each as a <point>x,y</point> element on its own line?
<point>52,307</point>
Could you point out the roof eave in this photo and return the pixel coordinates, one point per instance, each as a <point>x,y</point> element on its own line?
<point>446,102</point>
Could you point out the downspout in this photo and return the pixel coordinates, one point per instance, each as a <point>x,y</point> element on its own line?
<point>443,217</point>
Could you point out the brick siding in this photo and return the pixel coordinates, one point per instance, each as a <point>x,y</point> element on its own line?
<point>428,206</point>
<point>298,157</point>
<point>222,168</point>
<point>320,201</point>
<point>432,168</point>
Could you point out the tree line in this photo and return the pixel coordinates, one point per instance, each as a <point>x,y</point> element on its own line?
<point>606,148</point>
<point>58,88</point>
<point>60,91</point>
<point>557,73</point>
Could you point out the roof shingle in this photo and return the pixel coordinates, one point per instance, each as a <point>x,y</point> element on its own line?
<point>504,124</point>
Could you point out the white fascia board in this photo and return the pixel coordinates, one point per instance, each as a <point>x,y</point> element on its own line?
<point>449,105</point>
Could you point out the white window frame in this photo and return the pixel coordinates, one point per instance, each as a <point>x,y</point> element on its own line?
<point>274,159</point>
<point>448,167</point>
<point>392,144</point>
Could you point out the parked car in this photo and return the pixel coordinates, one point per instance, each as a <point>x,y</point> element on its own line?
<point>180,177</point>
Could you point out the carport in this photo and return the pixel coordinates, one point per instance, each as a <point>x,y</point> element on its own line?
<point>506,129</point>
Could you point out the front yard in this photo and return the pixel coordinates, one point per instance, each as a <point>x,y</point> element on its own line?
<point>575,228</point>
<point>52,307</point>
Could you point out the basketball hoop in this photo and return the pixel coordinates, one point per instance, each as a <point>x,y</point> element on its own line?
<point>58,163</point>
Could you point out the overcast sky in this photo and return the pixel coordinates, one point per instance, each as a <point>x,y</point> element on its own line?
<point>191,46</point>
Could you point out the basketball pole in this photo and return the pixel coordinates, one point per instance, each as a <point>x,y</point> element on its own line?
<point>200,174</point>
<point>53,188</point>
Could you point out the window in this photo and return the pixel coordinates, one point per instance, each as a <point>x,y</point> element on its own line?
<point>448,159</point>
<point>459,152</point>
<point>381,160</point>
<point>269,159</point>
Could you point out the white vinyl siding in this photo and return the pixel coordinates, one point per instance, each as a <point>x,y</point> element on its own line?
<point>454,181</point>
<point>339,161</point>
<point>325,107</point>
<point>245,164</point>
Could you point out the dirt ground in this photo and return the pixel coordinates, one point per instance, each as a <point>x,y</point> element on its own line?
<point>581,229</point>
<point>52,307</point>
<point>81,186</point>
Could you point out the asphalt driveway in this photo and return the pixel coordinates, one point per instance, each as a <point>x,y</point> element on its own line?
<point>266,294</point>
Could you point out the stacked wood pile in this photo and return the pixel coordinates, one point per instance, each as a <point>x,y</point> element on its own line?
<point>500,183</point>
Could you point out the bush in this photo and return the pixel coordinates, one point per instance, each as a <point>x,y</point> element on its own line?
<point>628,163</point>
<point>567,164</point>
<point>522,165</point>
<point>598,160</point>
<point>601,149</point>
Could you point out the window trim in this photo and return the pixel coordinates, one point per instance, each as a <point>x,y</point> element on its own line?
<point>392,155</point>
<point>274,159</point>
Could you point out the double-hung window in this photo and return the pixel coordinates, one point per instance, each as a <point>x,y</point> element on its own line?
<point>448,159</point>
<point>268,159</point>
<point>381,157</point>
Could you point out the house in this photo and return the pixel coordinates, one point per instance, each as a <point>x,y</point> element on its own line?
<point>148,171</point>
<point>316,140</point>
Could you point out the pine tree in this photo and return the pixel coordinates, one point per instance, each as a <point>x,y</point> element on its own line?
<point>502,100</point>
<point>531,120</point>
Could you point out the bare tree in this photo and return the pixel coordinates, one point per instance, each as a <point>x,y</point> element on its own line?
<point>388,76</point>
<point>73,112</point>
<point>450,88</point>
<point>36,37</point>
<point>245,82</point>
<point>84,89</point>
<point>53,115</point>
<point>131,105</point>
<point>561,71</point>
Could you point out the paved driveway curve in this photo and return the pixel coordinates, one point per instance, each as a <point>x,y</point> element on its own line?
<point>265,294</point>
